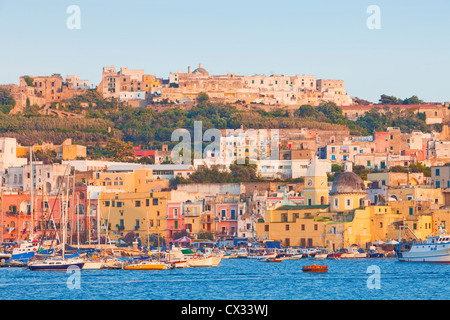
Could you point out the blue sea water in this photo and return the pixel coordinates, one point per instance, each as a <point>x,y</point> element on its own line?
<point>238,279</point>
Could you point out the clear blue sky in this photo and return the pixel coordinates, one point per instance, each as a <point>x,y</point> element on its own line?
<point>409,55</point>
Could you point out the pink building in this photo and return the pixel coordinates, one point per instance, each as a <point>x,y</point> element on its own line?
<point>175,220</point>
<point>382,141</point>
<point>227,213</point>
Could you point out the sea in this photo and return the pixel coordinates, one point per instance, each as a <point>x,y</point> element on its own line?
<point>238,280</point>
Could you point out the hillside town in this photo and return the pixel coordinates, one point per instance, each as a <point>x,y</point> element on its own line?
<point>315,188</point>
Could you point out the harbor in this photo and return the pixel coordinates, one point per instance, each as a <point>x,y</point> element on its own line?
<point>237,279</point>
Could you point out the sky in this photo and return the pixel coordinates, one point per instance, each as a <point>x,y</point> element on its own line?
<point>408,55</point>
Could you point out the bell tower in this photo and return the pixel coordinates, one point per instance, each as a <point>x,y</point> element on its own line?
<point>315,191</point>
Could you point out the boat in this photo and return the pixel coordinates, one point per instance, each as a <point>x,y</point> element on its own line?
<point>242,253</point>
<point>93,265</point>
<point>148,265</point>
<point>315,268</point>
<point>198,260</point>
<point>271,260</point>
<point>55,264</point>
<point>27,250</point>
<point>308,252</point>
<point>321,255</point>
<point>334,255</point>
<point>113,264</point>
<point>290,254</point>
<point>435,249</point>
<point>262,255</point>
<point>353,253</point>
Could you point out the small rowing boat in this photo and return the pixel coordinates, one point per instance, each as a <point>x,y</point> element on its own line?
<point>315,268</point>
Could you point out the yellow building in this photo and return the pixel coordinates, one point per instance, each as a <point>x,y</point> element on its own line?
<point>143,213</point>
<point>138,180</point>
<point>347,191</point>
<point>65,151</point>
<point>294,225</point>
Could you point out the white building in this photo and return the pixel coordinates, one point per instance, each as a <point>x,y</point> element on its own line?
<point>8,156</point>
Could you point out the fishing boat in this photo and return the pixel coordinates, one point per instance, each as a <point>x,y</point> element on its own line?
<point>434,249</point>
<point>315,268</point>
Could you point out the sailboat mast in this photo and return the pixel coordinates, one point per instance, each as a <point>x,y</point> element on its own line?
<point>89,215</point>
<point>31,193</point>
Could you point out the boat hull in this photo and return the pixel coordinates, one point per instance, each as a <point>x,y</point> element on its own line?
<point>92,265</point>
<point>436,253</point>
<point>61,267</point>
<point>156,266</point>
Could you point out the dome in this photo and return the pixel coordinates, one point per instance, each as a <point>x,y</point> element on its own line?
<point>201,71</point>
<point>348,182</point>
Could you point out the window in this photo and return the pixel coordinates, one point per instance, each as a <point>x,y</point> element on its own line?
<point>411,211</point>
<point>266,227</point>
<point>287,227</point>
<point>137,203</point>
<point>303,227</point>
<point>155,201</point>
<point>438,184</point>
<point>316,227</point>
<point>147,202</point>
<point>437,172</point>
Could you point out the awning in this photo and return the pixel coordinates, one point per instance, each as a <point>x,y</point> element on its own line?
<point>183,239</point>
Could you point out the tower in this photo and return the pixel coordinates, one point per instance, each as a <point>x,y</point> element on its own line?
<point>315,191</point>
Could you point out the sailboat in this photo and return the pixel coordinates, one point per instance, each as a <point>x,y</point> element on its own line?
<point>27,250</point>
<point>63,262</point>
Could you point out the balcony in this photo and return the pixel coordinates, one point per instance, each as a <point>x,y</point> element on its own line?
<point>206,220</point>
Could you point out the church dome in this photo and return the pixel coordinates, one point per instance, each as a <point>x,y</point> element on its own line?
<point>348,182</point>
<point>201,71</point>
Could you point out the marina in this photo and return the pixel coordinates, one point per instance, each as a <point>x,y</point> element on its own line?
<point>233,279</point>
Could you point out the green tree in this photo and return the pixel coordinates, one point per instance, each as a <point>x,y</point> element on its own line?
<point>413,100</point>
<point>202,97</point>
<point>332,112</point>
<point>385,99</point>
<point>305,111</point>
<point>7,101</point>
<point>29,81</point>
<point>120,150</point>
